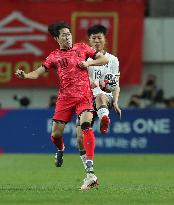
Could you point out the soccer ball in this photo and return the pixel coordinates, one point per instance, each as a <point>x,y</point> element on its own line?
<point>108,82</point>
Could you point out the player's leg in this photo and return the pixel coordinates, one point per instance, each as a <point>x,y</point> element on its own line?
<point>57,140</point>
<point>84,110</point>
<point>81,148</point>
<point>102,102</point>
<point>88,137</point>
<point>80,145</point>
<point>63,113</point>
<point>89,144</point>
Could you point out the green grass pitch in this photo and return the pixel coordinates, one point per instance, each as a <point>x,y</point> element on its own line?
<point>32,179</point>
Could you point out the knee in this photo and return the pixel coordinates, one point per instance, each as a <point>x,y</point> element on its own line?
<point>57,129</point>
<point>102,97</point>
<point>56,133</point>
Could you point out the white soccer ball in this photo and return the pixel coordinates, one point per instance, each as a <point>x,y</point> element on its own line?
<point>108,82</point>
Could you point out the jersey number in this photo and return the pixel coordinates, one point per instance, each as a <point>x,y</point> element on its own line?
<point>63,63</point>
<point>97,74</point>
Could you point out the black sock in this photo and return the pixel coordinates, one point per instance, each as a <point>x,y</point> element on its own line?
<point>82,152</point>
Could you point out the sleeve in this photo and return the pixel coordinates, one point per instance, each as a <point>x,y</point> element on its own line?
<point>115,69</point>
<point>115,66</point>
<point>48,63</point>
<point>90,52</point>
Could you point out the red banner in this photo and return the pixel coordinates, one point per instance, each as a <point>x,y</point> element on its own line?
<point>25,42</point>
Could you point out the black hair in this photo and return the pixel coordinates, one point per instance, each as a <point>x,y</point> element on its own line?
<point>97,29</point>
<point>54,29</point>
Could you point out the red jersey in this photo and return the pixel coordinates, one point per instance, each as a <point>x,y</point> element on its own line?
<point>73,80</point>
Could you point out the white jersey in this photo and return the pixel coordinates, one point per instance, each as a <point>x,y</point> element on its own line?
<point>96,72</point>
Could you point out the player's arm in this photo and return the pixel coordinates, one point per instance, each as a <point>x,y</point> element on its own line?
<point>116,93</point>
<point>99,59</point>
<point>32,75</point>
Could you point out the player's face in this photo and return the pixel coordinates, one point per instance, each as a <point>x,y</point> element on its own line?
<point>65,38</point>
<point>97,41</point>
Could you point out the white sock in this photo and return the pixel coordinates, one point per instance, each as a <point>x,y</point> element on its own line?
<point>90,170</point>
<point>101,112</point>
<point>88,160</point>
<point>84,158</point>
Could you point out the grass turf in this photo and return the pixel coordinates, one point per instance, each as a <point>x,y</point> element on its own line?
<point>29,179</point>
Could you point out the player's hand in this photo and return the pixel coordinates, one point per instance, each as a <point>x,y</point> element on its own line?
<point>83,64</point>
<point>93,83</point>
<point>117,109</point>
<point>20,74</point>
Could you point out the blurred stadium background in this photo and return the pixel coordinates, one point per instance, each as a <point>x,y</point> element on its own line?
<point>140,33</point>
<point>141,36</point>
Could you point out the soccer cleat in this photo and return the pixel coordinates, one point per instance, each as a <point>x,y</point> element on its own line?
<point>89,182</point>
<point>59,158</point>
<point>104,124</point>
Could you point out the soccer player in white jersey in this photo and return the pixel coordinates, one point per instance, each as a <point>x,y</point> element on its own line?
<point>103,100</point>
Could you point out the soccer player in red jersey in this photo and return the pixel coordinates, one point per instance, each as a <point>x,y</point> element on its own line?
<point>74,92</point>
